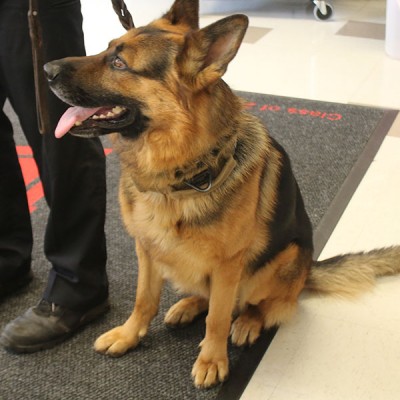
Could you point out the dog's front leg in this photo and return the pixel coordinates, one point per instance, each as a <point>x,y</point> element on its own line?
<point>212,365</point>
<point>119,340</point>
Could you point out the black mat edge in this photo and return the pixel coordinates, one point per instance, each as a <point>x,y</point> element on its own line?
<point>332,216</point>
<point>245,367</point>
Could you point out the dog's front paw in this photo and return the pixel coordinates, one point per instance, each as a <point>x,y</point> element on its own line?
<point>116,342</point>
<point>207,373</point>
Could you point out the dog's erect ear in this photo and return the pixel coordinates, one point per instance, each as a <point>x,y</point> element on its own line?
<point>184,12</point>
<point>207,52</point>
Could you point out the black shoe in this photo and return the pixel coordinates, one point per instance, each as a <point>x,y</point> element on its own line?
<point>46,325</point>
<point>13,285</point>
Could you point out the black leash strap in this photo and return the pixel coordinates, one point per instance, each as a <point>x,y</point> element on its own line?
<point>41,90</point>
<point>124,15</point>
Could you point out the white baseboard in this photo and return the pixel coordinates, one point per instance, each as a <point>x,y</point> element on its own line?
<point>228,6</point>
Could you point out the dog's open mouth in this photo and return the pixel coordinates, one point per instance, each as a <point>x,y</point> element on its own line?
<point>92,122</point>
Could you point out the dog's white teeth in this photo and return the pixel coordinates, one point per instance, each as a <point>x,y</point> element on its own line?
<point>78,123</point>
<point>117,110</point>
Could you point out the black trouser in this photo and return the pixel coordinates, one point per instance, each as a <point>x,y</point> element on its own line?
<point>72,170</point>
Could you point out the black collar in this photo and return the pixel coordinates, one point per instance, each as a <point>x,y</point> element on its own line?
<point>207,180</point>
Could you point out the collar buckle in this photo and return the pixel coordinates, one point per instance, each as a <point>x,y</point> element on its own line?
<point>201,182</point>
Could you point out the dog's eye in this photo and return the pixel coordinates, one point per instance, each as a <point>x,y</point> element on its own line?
<point>118,63</point>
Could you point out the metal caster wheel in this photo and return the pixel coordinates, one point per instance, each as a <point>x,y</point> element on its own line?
<point>322,10</point>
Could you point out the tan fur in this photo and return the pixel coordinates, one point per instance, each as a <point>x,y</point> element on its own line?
<point>227,247</point>
<point>352,274</point>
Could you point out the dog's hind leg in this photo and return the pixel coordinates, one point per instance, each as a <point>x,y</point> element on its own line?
<point>185,311</point>
<point>272,295</point>
<point>247,326</point>
<point>119,340</point>
<point>270,312</point>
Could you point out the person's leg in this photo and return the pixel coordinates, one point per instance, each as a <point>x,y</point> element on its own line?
<point>75,240</point>
<point>72,170</point>
<point>73,175</point>
<point>15,226</point>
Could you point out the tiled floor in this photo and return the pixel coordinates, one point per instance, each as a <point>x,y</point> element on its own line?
<point>333,349</point>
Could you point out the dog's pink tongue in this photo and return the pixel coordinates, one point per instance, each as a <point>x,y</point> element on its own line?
<point>71,116</point>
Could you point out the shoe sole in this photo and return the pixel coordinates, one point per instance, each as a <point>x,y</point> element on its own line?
<point>92,315</point>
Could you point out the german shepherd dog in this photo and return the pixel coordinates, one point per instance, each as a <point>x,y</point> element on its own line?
<point>208,195</point>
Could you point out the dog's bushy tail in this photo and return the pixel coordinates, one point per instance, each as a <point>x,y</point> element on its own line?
<point>352,274</point>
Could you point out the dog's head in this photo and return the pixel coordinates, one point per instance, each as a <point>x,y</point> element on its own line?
<point>147,77</point>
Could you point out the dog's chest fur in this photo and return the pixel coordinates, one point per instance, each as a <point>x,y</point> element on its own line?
<point>184,252</point>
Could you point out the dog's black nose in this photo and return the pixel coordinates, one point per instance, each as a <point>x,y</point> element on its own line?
<point>52,70</point>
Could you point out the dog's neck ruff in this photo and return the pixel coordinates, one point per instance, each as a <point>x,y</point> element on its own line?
<point>205,181</point>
